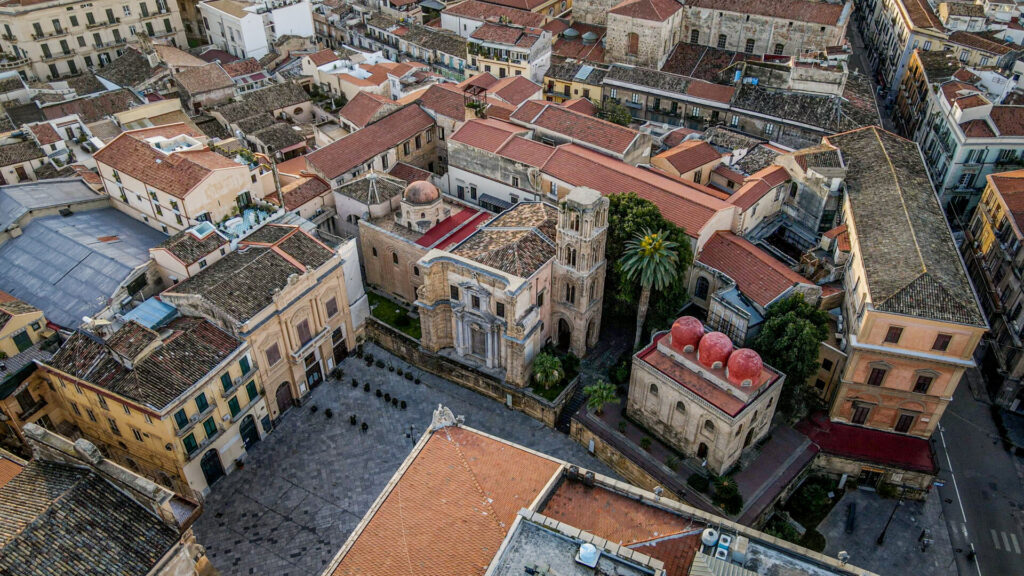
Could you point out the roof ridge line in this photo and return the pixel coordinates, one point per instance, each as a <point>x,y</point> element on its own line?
<point>903,204</point>
<point>476,483</point>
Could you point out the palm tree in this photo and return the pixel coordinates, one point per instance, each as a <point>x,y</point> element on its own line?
<point>547,370</point>
<point>599,395</point>
<point>652,258</point>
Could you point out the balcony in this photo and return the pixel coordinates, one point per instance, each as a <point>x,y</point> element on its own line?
<point>195,419</point>
<point>9,37</point>
<point>28,412</point>
<point>245,409</point>
<point>152,15</point>
<point>47,35</point>
<point>14,64</point>
<point>111,43</point>
<point>96,25</point>
<point>57,56</point>
<point>202,445</point>
<point>305,348</point>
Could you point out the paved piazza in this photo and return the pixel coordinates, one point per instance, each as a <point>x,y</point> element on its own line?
<point>306,486</point>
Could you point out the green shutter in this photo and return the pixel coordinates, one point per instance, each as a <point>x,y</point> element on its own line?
<point>244,364</point>
<point>201,403</point>
<point>250,388</point>
<point>181,418</point>
<point>210,426</point>
<point>225,380</point>
<point>233,405</point>
<point>190,443</point>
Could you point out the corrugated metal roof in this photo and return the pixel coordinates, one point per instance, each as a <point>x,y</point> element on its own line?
<point>61,266</point>
<point>152,313</point>
<point>17,200</point>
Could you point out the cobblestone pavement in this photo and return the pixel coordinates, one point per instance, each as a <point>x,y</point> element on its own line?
<point>900,552</point>
<point>305,487</point>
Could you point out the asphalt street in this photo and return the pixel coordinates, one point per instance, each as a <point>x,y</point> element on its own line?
<point>982,495</point>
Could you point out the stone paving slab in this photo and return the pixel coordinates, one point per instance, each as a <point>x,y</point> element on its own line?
<point>306,486</point>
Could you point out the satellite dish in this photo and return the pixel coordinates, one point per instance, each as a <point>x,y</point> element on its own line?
<point>843,556</point>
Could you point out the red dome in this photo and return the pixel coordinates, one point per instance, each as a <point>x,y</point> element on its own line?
<point>686,331</point>
<point>744,364</point>
<point>714,347</point>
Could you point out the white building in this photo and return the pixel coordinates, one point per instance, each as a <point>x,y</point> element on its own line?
<point>248,30</point>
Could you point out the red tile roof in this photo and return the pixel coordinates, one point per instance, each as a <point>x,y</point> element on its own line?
<point>710,91</point>
<point>520,4</point>
<point>465,231</point>
<point>508,35</point>
<point>362,108</point>
<point>445,101</point>
<point>355,149</point>
<point>867,445</point>
<point>759,276</point>
<point>577,126</point>
<point>461,487</point>
<point>980,42</point>
<point>515,89</point>
<point>977,129</point>
<point>44,133</point>
<point>841,235</point>
<point>757,185</point>
<point>202,79</point>
<point>409,173</point>
<point>676,137</point>
<point>242,67</point>
<point>486,134</point>
<point>443,229</point>
<point>8,470</point>
<point>799,10</point>
<point>1009,120</point>
<point>581,105</point>
<point>682,204</point>
<point>483,11</point>
<point>298,193</point>
<point>655,10</point>
<point>527,151</point>
<point>294,166</point>
<point>1010,188</point>
<point>690,155</point>
<point>729,174</point>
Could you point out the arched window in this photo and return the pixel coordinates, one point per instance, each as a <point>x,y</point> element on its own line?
<point>572,257</point>
<point>701,291</point>
<point>394,258</point>
<point>680,407</point>
<point>633,44</point>
<point>593,289</point>
<point>415,270</point>
<point>653,390</point>
<point>709,427</point>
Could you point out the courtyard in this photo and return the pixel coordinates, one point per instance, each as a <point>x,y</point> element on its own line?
<point>306,486</point>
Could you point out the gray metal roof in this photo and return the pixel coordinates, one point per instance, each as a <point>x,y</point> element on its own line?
<point>60,265</point>
<point>17,200</point>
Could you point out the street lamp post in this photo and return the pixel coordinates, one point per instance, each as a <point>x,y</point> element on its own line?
<point>881,537</point>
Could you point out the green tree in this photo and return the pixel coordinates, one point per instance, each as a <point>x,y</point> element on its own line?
<point>617,113</point>
<point>547,370</point>
<point>651,258</point>
<point>789,340</point>
<point>629,215</point>
<point>600,395</point>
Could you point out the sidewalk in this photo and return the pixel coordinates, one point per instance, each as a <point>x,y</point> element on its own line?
<point>901,552</point>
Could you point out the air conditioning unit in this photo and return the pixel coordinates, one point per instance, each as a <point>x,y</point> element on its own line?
<point>194,418</point>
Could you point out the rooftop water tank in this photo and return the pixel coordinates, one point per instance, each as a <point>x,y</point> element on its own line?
<point>588,555</point>
<point>709,537</point>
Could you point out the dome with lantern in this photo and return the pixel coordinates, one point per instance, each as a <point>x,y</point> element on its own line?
<point>714,350</point>
<point>686,333</point>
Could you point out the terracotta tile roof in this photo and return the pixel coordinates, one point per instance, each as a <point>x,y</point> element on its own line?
<point>355,149</point>
<point>841,235</point>
<point>461,487</point>
<point>981,42</point>
<point>953,90</point>
<point>486,134</point>
<point>757,185</point>
<point>680,203</point>
<point>581,105</point>
<point>676,137</point>
<point>1008,120</point>
<point>189,249</point>
<point>921,14</point>
<point>216,55</point>
<point>515,89</point>
<point>177,58</point>
<point>910,260</point>
<point>204,79</point>
<point>131,339</point>
<point>373,188</point>
<point>294,166</point>
<point>160,377</point>
<point>44,133</point>
<point>518,242</point>
<point>409,173</point>
<point>654,10</point>
<point>507,35</point>
<point>242,67</point>
<point>520,4</point>
<point>89,176</point>
<point>362,108</point>
<point>482,11</point>
<point>19,152</point>
<point>799,10</point>
<point>527,151</point>
<point>577,126</point>
<point>298,193</point>
<point>93,108</point>
<point>1010,188</point>
<point>759,276</point>
<point>176,174</point>
<point>8,470</point>
<point>868,445</point>
<point>690,155</point>
<point>977,129</point>
<point>322,57</point>
<point>971,101</point>
<point>446,101</point>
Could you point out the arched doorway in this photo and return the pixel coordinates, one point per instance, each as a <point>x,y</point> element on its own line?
<point>284,397</point>
<point>750,436</point>
<point>564,335</point>
<point>250,435</point>
<point>213,470</point>
<point>702,451</point>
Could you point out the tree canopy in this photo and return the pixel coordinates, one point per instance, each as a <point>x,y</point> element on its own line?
<point>789,341</point>
<point>629,215</point>
<point>617,113</point>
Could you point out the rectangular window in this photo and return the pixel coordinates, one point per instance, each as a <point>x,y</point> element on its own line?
<point>250,389</point>
<point>137,434</point>
<point>826,364</point>
<point>419,142</point>
<point>126,409</point>
<point>440,133</point>
<point>273,354</point>
<point>225,381</point>
<point>74,20</point>
<point>405,148</point>
<point>722,39</point>
<point>147,418</point>
<point>91,414</point>
<point>453,292</point>
<point>302,329</point>
<point>243,365</point>
<point>499,310</point>
<point>922,384</point>
<point>540,300</point>
<point>201,403</point>
<point>210,426</point>
<point>103,402</point>
<point>860,414</point>
<point>475,302</point>
<point>904,423</point>
<point>892,336</point>
<point>190,444</point>
<point>74,408</point>
<point>332,307</point>
<point>113,426</point>
<point>233,406</point>
<point>941,342</point>
<point>876,376</point>
<point>515,181</point>
<point>749,49</point>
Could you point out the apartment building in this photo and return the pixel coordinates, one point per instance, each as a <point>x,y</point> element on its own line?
<point>178,403</point>
<point>569,80</point>
<point>49,40</point>
<point>995,259</point>
<point>507,50</point>
<point>894,29</point>
<point>249,30</point>
<point>168,178</point>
